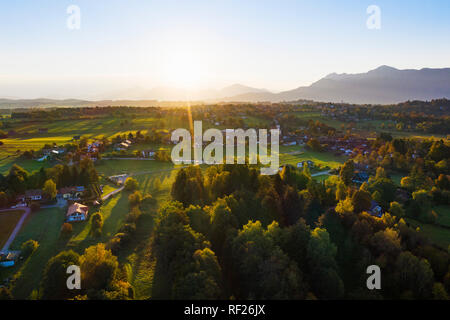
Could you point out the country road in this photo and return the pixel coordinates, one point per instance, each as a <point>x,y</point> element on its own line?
<point>320,173</point>
<point>112,193</point>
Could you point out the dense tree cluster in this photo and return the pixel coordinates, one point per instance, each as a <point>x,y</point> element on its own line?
<point>289,237</point>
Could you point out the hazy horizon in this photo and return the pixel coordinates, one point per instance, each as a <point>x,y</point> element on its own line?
<point>202,45</point>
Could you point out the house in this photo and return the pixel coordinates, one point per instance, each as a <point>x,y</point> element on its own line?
<point>122,146</point>
<point>20,198</point>
<point>71,193</point>
<point>360,177</point>
<point>8,259</point>
<point>375,209</point>
<point>33,195</point>
<point>119,179</point>
<point>77,212</point>
<point>290,143</point>
<point>43,158</point>
<point>148,153</point>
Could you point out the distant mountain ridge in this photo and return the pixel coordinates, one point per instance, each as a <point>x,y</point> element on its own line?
<point>164,93</point>
<point>383,85</point>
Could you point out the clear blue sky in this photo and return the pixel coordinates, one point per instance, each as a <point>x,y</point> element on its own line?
<point>278,45</point>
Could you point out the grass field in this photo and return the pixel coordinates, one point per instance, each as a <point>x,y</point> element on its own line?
<point>115,167</point>
<point>295,154</point>
<point>396,178</point>
<point>443,215</point>
<point>42,226</point>
<point>438,235</point>
<point>8,221</point>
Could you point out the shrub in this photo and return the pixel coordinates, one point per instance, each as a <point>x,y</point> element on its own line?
<point>114,244</point>
<point>29,247</point>
<point>66,229</point>
<point>128,228</point>
<point>147,202</point>
<point>133,216</point>
<point>131,184</point>
<point>97,224</point>
<point>134,199</point>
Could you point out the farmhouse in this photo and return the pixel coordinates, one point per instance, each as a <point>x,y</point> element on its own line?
<point>119,179</point>
<point>71,193</point>
<point>375,209</point>
<point>8,259</point>
<point>308,162</point>
<point>122,146</point>
<point>148,153</point>
<point>33,195</point>
<point>77,212</point>
<point>360,177</point>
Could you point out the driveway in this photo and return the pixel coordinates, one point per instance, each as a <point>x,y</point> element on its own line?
<point>17,228</point>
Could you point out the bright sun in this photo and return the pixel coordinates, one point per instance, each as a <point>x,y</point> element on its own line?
<point>185,68</point>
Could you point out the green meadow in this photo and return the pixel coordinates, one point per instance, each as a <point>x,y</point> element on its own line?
<point>437,234</point>
<point>295,154</point>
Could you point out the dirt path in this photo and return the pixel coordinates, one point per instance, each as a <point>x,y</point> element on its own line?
<point>17,228</point>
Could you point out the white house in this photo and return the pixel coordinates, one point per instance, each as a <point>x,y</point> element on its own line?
<point>77,212</point>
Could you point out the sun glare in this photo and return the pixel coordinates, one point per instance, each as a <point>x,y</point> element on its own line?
<point>185,68</point>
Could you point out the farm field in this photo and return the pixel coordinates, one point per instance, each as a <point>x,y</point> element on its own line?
<point>363,126</point>
<point>8,221</point>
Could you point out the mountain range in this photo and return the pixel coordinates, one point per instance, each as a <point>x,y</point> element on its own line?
<point>383,85</point>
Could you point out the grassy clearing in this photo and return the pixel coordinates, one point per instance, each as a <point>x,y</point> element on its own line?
<point>443,215</point>
<point>397,178</point>
<point>438,235</point>
<point>287,156</point>
<point>42,226</point>
<point>8,221</point>
<point>29,165</point>
<point>115,167</point>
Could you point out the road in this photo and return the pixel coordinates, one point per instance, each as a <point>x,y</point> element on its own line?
<point>320,173</point>
<point>112,193</point>
<point>17,228</point>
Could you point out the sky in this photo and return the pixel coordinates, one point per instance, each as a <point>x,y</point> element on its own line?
<point>277,45</point>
